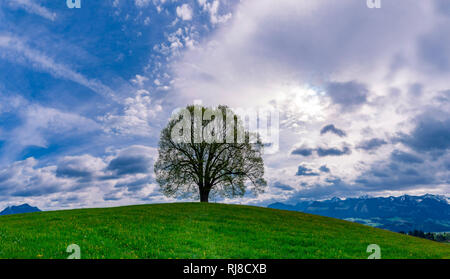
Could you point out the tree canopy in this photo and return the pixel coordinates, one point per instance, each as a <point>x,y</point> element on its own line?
<point>206,152</point>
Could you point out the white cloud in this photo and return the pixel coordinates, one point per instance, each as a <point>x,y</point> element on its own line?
<point>286,55</point>
<point>24,179</point>
<point>34,8</point>
<point>213,9</point>
<point>139,80</point>
<point>184,12</point>
<point>17,51</point>
<point>37,118</point>
<point>39,125</point>
<point>84,166</point>
<point>138,114</point>
<point>297,41</point>
<point>142,3</point>
<point>83,180</point>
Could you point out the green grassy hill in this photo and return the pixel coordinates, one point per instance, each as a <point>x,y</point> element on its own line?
<point>194,230</point>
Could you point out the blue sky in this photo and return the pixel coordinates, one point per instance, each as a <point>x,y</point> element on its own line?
<point>363,94</point>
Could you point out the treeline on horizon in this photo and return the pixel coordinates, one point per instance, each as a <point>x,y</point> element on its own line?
<point>439,237</point>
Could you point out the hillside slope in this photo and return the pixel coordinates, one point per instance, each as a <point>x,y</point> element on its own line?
<point>194,230</point>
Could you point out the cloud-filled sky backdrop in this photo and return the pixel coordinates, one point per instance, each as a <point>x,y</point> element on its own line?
<point>363,94</point>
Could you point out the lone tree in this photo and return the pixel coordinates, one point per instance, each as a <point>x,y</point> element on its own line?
<point>206,151</point>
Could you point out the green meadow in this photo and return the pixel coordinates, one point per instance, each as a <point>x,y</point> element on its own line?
<point>199,230</point>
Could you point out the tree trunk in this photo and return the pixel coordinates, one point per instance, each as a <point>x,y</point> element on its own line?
<point>204,195</point>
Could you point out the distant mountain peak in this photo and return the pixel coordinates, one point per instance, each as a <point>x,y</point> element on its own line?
<point>436,197</point>
<point>17,209</point>
<point>428,212</point>
<point>404,197</point>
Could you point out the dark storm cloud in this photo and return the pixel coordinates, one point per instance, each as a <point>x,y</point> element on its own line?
<point>304,171</point>
<point>442,7</point>
<point>324,168</point>
<point>80,168</point>
<point>392,176</point>
<point>304,151</point>
<point>135,185</point>
<point>22,179</point>
<point>404,157</point>
<point>443,98</point>
<point>156,194</point>
<point>371,144</point>
<point>112,196</point>
<point>322,152</point>
<point>332,129</point>
<point>400,171</point>
<point>73,173</point>
<point>333,188</point>
<point>73,169</point>
<point>282,186</point>
<point>349,95</point>
<point>70,172</point>
<point>434,48</point>
<point>415,89</point>
<point>130,164</point>
<point>5,175</point>
<point>430,134</point>
<point>66,200</point>
<point>36,191</point>
<point>447,165</point>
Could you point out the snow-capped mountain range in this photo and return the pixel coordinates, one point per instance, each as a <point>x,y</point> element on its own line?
<point>429,213</point>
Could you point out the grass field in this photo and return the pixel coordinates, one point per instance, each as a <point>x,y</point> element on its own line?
<point>195,230</point>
